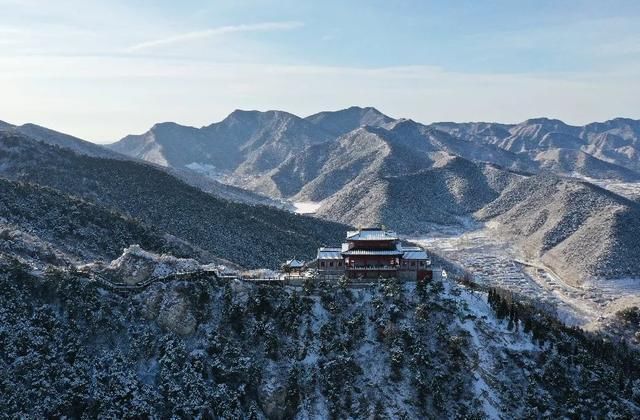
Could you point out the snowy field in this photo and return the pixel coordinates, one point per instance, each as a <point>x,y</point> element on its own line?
<point>306,207</point>
<point>625,189</point>
<point>494,262</point>
<point>629,190</point>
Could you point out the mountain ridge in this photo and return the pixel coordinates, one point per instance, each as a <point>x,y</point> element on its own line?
<point>228,230</point>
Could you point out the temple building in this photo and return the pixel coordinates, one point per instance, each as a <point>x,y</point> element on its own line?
<point>374,253</point>
<point>293,266</point>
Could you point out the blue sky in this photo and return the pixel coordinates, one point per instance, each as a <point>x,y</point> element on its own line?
<point>100,70</point>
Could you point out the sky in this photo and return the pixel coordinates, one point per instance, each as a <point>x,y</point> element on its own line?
<point>103,69</point>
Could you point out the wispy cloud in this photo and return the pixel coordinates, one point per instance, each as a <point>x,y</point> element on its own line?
<point>222,30</point>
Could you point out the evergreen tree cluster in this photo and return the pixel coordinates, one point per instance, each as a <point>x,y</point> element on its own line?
<point>582,373</point>
<point>251,236</point>
<point>394,350</point>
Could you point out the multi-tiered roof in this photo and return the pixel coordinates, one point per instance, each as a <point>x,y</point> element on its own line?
<point>374,242</point>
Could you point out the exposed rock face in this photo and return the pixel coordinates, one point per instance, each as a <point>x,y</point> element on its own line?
<point>172,306</point>
<point>175,312</point>
<point>273,396</point>
<point>136,265</point>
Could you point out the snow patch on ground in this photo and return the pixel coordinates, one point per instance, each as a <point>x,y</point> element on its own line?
<point>489,337</point>
<point>205,169</point>
<point>306,207</point>
<point>497,262</point>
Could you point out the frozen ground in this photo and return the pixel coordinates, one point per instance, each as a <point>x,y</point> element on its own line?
<point>306,207</point>
<point>495,262</point>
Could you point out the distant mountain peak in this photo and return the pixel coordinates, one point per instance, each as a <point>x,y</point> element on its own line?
<point>541,120</point>
<point>168,125</point>
<point>547,122</point>
<point>342,121</point>
<point>409,127</point>
<point>403,123</point>
<point>244,113</point>
<point>356,108</point>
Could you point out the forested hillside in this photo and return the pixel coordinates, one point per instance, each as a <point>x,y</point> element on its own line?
<point>227,349</point>
<point>251,236</point>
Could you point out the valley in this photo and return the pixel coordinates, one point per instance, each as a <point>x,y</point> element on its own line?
<point>305,210</point>
<point>497,262</point>
<point>192,263</point>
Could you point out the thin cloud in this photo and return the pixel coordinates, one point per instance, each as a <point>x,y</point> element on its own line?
<point>222,30</point>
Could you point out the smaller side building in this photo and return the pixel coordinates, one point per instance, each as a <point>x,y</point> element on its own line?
<point>293,266</point>
<point>330,261</point>
<point>415,264</point>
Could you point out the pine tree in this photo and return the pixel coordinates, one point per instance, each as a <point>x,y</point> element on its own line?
<point>292,400</point>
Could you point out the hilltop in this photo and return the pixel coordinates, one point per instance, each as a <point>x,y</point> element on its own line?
<point>228,349</point>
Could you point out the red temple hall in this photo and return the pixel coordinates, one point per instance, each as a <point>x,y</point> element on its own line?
<point>374,253</point>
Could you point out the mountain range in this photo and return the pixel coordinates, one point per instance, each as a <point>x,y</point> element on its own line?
<point>363,167</point>
<point>75,215</point>
<point>83,147</point>
<point>580,230</point>
<point>253,143</point>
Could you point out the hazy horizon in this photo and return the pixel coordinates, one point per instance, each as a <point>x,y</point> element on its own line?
<point>100,70</point>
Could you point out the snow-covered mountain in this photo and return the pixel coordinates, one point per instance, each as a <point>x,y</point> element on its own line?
<point>192,178</point>
<point>403,147</point>
<point>280,155</point>
<point>66,141</point>
<point>575,162</point>
<point>445,194</point>
<point>163,203</point>
<point>76,218</point>
<point>362,167</point>
<point>212,348</point>
<point>616,141</point>
<point>345,120</point>
<point>246,142</point>
<point>581,231</point>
